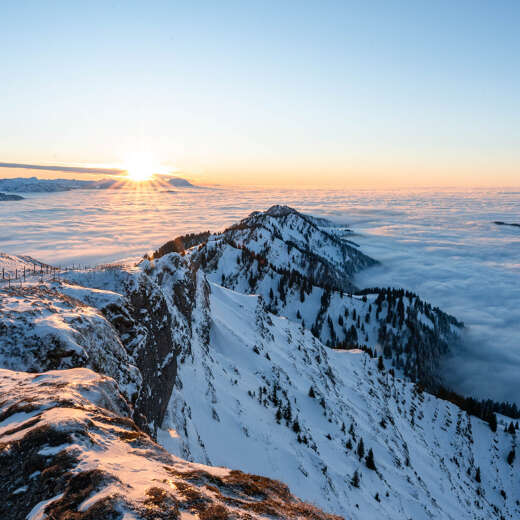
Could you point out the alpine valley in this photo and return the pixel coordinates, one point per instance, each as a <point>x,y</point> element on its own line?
<point>229,373</point>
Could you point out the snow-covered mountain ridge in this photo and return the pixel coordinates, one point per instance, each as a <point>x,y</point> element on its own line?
<point>286,240</point>
<point>223,373</point>
<point>304,269</point>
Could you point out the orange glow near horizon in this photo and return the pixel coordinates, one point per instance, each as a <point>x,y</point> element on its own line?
<point>144,170</point>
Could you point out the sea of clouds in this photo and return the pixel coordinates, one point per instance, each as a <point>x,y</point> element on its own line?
<point>442,245</point>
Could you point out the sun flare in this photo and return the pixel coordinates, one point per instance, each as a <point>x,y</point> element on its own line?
<point>141,167</point>
<point>139,174</point>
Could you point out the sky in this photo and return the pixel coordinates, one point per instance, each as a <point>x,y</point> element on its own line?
<point>300,94</point>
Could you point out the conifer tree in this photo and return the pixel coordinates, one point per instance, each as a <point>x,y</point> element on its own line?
<point>493,422</point>
<point>511,457</point>
<point>361,449</point>
<point>369,460</point>
<point>287,413</point>
<point>355,479</point>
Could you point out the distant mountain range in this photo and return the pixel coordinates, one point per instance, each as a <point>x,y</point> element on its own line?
<point>36,185</point>
<point>253,349</point>
<point>7,196</point>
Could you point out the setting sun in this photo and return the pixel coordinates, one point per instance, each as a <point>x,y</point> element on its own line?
<point>139,174</point>
<point>142,167</point>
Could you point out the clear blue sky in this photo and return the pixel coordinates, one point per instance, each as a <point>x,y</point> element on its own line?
<point>347,93</point>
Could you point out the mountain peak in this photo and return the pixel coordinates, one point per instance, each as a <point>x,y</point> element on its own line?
<point>279,210</point>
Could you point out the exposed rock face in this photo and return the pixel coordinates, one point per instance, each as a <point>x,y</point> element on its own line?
<point>153,332</point>
<point>146,318</point>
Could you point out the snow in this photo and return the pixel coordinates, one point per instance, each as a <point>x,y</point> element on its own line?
<point>9,264</point>
<point>38,511</point>
<point>223,424</point>
<point>111,455</point>
<point>238,365</point>
<point>42,328</point>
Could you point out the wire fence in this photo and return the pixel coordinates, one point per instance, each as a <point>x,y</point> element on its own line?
<point>38,273</point>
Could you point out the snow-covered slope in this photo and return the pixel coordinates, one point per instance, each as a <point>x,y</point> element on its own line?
<point>242,398</point>
<point>11,265</point>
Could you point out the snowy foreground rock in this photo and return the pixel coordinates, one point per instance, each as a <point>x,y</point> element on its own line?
<point>69,450</point>
<point>238,350</point>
